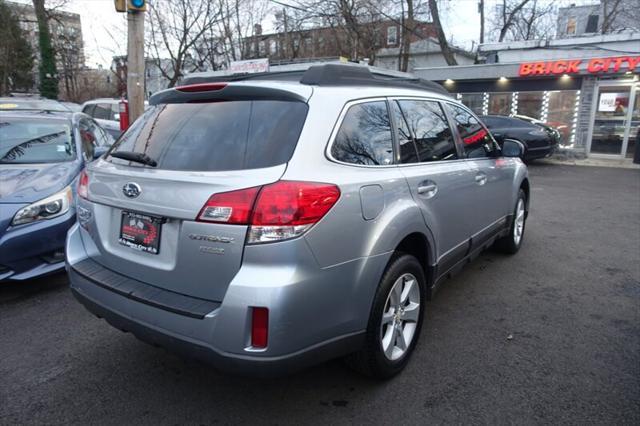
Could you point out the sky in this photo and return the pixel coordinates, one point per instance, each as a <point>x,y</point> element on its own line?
<point>104,29</point>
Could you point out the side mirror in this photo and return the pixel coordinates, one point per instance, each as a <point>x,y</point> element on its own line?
<point>512,148</point>
<point>99,151</point>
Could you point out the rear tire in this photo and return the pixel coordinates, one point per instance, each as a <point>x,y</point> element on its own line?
<point>395,320</point>
<point>511,243</point>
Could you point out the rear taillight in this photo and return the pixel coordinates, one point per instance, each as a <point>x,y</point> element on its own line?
<point>83,185</point>
<point>276,212</point>
<point>259,327</point>
<point>288,209</point>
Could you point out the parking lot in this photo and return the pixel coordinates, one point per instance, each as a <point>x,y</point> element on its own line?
<point>550,335</point>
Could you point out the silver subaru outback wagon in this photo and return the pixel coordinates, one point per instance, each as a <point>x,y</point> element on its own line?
<point>269,222</point>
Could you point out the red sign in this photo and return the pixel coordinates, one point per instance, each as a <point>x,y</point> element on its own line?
<point>572,66</point>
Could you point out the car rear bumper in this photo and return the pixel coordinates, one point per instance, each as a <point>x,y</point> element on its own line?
<point>266,367</point>
<point>315,314</point>
<point>33,250</point>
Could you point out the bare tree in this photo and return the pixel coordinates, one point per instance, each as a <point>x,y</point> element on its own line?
<point>175,28</point>
<point>507,13</point>
<point>237,23</point>
<point>353,23</point>
<point>442,39</point>
<point>533,22</point>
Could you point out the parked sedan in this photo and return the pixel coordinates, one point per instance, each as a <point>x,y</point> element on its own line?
<point>41,156</point>
<point>552,131</point>
<point>537,141</point>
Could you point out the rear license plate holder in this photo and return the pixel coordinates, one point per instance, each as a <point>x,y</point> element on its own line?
<point>140,232</point>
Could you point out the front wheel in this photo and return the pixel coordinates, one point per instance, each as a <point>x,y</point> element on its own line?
<point>395,320</point>
<point>511,243</point>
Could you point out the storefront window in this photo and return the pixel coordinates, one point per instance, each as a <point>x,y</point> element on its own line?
<point>562,111</point>
<point>530,104</point>
<point>473,101</point>
<point>499,103</point>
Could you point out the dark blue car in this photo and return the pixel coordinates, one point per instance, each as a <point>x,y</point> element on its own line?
<point>41,155</point>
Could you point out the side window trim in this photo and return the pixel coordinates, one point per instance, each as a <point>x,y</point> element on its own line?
<point>338,124</point>
<point>454,128</point>
<point>393,103</point>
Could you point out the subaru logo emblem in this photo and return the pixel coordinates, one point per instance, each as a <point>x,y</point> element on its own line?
<point>131,189</point>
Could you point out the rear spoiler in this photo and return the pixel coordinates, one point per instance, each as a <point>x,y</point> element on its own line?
<point>222,91</point>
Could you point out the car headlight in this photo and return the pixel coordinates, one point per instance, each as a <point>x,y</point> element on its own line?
<point>53,206</point>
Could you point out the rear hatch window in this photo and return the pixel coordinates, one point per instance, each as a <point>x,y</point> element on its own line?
<point>215,136</point>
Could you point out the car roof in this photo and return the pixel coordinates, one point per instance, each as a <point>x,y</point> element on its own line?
<point>342,80</point>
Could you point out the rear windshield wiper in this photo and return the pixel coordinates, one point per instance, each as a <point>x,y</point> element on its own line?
<point>138,157</point>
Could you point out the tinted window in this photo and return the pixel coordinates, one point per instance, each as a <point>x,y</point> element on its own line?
<point>477,141</point>
<point>408,151</point>
<point>431,132</point>
<point>365,136</point>
<point>35,141</point>
<point>232,135</point>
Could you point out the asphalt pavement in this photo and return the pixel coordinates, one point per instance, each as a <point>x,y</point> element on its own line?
<point>551,335</point>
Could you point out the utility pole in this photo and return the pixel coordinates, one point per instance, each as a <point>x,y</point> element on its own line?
<point>135,54</point>
<point>135,64</point>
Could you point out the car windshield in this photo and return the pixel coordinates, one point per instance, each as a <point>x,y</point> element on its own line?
<point>32,140</point>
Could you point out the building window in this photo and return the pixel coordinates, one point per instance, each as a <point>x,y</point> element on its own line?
<point>571,25</point>
<point>392,36</point>
<point>592,24</point>
<point>530,104</point>
<point>562,114</point>
<point>473,101</point>
<point>262,48</point>
<point>500,103</point>
<point>273,47</point>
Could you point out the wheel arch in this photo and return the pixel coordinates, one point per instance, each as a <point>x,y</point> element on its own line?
<point>417,244</point>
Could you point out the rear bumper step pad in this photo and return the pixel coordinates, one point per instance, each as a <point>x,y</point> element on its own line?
<point>144,293</point>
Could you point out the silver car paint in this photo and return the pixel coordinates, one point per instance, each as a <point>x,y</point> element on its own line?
<point>318,288</point>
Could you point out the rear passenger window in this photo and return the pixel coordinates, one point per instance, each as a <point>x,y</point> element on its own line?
<point>365,136</point>
<point>477,141</point>
<point>430,130</point>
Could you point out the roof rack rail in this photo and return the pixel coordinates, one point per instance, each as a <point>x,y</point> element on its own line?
<point>350,75</point>
<point>329,74</point>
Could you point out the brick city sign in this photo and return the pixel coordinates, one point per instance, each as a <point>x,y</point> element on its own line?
<point>572,66</point>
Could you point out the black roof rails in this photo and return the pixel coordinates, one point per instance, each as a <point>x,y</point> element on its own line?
<point>329,75</point>
<point>350,75</point>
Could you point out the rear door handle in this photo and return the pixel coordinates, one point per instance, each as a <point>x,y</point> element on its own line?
<point>481,178</point>
<point>427,189</point>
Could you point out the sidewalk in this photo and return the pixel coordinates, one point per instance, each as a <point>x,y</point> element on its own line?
<point>626,163</point>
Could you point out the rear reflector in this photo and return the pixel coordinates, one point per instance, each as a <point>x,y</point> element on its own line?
<point>259,327</point>
<point>276,212</point>
<point>83,185</point>
<point>202,87</point>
